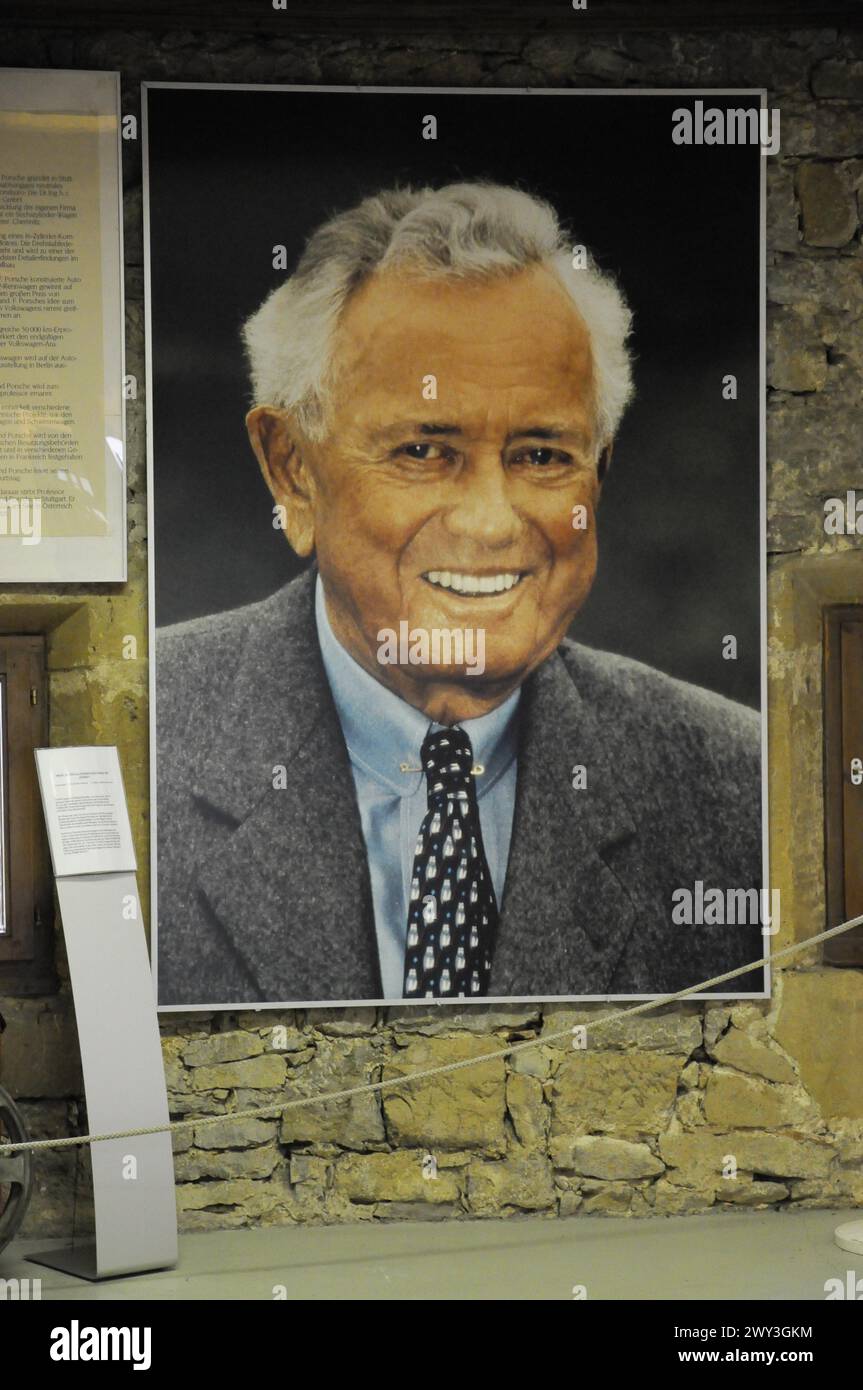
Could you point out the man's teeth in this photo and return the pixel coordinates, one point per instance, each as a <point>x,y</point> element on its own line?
<point>473,583</point>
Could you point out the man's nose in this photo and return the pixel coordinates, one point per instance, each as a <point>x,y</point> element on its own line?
<point>482,510</point>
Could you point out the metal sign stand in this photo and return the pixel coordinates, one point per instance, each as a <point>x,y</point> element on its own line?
<point>124,1076</point>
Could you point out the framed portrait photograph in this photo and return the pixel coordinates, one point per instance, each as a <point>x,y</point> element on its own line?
<point>457,556</point>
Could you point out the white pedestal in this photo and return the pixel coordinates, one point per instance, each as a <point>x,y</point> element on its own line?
<point>850,1236</point>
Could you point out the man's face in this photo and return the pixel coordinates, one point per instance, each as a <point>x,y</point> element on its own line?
<point>455,512</point>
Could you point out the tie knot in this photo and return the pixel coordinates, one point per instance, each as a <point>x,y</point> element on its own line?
<point>447,759</point>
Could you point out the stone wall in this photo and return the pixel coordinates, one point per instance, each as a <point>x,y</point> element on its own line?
<point>655,1118</point>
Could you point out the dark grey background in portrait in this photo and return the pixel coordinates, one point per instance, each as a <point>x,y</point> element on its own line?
<point>234,172</point>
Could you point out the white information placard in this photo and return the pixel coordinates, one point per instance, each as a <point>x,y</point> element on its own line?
<point>85,810</point>
<point>62,451</point>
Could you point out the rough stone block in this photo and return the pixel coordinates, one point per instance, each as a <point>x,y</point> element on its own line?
<point>446,1019</point>
<point>393,1177</point>
<point>222,1047</point>
<point>176,1076</point>
<point>678,1030</point>
<point>751,1194</point>
<point>820,1025</point>
<point>827,205</point>
<point>522,1181</point>
<point>309,1168</point>
<point>783,231</point>
<point>338,1064</point>
<point>235,1134</point>
<point>569,1203</point>
<point>735,1101</point>
<point>527,1109</point>
<point>181,1140</point>
<point>690,1109</point>
<point>716,1020</point>
<point>260,1162</point>
<point>598,1156</point>
<point>700,1156</point>
<point>287,1042</point>
<point>452,1111</point>
<point>257,1073</point>
<point>613,1199</point>
<point>416,1211</point>
<point>735,1049</point>
<point>264,1020</point>
<point>341,1022</point>
<point>533,1061</point>
<point>693,1076</point>
<point>829,282</point>
<point>246,1198</point>
<point>669,1200</point>
<point>796,356</point>
<point>627,1093</point>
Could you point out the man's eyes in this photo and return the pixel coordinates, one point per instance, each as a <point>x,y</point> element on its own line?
<point>420,452</point>
<point>536,458</point>
<point>543,458</point>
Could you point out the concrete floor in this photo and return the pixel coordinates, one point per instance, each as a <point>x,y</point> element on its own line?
<point>735,1255</point>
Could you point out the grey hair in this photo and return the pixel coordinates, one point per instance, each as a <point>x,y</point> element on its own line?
<point>463,230</point>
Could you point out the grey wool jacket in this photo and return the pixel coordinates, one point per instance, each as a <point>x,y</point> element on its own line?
<point>263,891</point>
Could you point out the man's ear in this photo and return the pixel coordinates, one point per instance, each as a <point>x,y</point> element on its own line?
<point>604,461</point>
<point>276,441</point>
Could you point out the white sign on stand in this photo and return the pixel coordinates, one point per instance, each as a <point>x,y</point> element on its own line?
<point>85,810</point>
<point>124,1078</point>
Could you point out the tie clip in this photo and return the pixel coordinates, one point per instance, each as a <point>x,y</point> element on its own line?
<point>476,771</point>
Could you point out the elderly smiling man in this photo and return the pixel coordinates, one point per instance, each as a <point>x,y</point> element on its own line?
<point>349,808</point>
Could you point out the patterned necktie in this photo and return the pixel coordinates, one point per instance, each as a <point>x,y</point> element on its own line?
<point>452,916</point>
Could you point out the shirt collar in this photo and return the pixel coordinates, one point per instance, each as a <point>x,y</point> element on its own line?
<point>383,732</point>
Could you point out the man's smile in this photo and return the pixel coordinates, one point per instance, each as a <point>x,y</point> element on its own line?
<point>473,585</point>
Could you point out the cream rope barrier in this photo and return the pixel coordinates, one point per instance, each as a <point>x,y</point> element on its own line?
<point>278,1107</point>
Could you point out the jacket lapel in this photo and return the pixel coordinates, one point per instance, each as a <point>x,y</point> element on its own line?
<point>565,915</point>
<point>290,885</point>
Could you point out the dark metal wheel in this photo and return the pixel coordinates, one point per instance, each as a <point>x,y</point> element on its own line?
<point>15,1170</point>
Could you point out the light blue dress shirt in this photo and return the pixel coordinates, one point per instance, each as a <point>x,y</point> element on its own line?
<point>382,731</point>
